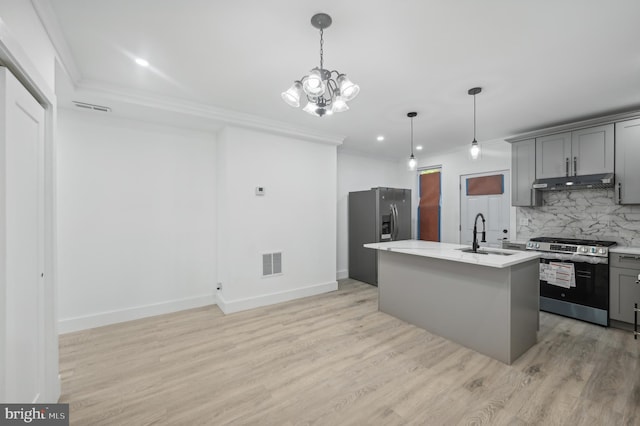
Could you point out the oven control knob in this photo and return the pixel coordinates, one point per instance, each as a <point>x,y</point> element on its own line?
<point>537,245</point>
<point>583,249</point>
<point>602,250</point>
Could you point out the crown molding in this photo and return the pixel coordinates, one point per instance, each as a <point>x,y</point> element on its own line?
<point>51,25</point>
<point>217,115</point>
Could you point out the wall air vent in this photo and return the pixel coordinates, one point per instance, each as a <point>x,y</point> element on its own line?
<point>93,107</point>
<point>271,264</point>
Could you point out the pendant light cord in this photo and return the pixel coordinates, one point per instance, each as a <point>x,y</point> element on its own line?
<point>411,135</point>
<point>474,117</point>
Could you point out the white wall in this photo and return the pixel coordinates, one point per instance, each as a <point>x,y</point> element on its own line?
<point>137,218</point>
<point>496,155</point>
<point>358,173</point>
<point>296,216</point>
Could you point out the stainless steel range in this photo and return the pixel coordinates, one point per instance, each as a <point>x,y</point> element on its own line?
<point>574,277</point>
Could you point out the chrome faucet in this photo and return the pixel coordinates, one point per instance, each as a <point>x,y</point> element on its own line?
<point>475,244</point>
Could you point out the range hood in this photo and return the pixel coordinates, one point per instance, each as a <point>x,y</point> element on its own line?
<point>598,181</point>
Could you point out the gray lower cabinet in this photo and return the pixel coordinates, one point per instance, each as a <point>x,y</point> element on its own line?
<point>624,286</point>
<point>580,152</point>
<point>523,173</point>
<point>627,190</point>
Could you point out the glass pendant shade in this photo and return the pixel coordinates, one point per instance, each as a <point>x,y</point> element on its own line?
<point>412,162</point>
<point>348,89</point>
<point>313,84</point>
<point>474,150</point>
<point>339,104</point>
<point>292,95</point>
<point>311,109</point>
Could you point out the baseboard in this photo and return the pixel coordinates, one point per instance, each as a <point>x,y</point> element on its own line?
<point>68,325</point>
<point>231,306</point>
<point>342,274</point>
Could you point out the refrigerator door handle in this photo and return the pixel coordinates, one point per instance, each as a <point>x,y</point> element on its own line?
<point>396,229</point>
<point>392,224</point>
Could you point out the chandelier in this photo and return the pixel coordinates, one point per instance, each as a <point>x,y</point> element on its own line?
<point>326,91</point>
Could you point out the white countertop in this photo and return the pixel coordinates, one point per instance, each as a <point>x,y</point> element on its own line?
<point>623,249</point>
<point>451,252</point>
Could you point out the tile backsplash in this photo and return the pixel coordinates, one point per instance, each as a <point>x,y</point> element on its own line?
<point>586,213</point>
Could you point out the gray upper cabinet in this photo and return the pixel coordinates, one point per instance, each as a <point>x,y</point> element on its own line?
<point>581,152</point>
<point>592,150</point>
<point>552,153</point>
<point>523,173</point>
<point>627,189</point>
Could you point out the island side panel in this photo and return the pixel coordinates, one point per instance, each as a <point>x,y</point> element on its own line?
<point>525,306</point>
<point>468,304</point>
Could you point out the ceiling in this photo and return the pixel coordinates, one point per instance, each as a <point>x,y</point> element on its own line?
<point>539,63</point>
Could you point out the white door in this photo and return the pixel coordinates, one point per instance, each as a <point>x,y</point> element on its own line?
<point>22,140</point>
<point>494,207</point>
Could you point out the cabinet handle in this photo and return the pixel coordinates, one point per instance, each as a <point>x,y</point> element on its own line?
<point>628,257</point>
<point>619,192</point>
<point>575,166</point>
<point>635,321</point>
<point>566,164</point>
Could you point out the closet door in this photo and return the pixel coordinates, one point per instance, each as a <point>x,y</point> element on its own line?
<point>22,199</point>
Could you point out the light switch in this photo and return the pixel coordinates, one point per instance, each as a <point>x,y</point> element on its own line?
<point>259,190</point>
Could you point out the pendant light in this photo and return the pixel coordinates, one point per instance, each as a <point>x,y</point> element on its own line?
<point>475,148</point>
<point>412,159</point>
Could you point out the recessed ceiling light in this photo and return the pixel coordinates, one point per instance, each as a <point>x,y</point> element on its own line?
<point>142,62</point>
<point>419,147</point>
<point>380,138</point>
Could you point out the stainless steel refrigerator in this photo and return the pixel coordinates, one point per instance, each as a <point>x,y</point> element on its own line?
<point>376,215</point>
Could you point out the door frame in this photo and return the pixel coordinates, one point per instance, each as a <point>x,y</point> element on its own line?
<point>14,57</point>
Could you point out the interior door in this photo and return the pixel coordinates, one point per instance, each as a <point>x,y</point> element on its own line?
<point>22,140</point>
<point>490,196</point>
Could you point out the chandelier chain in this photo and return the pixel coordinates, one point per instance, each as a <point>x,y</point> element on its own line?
<point>321,49</point>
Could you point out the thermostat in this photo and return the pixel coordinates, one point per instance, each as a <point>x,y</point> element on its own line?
<point>259,190</point>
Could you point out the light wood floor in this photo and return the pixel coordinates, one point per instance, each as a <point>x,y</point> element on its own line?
<point>335,360</point>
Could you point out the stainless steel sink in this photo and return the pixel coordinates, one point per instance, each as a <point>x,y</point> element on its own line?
<point>484,251</point>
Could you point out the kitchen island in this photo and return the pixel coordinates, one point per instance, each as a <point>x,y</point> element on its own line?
<point>488,302</point>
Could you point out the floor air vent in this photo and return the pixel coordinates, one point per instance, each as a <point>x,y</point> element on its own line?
<point>271,264</point>
<point>93,107</point>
